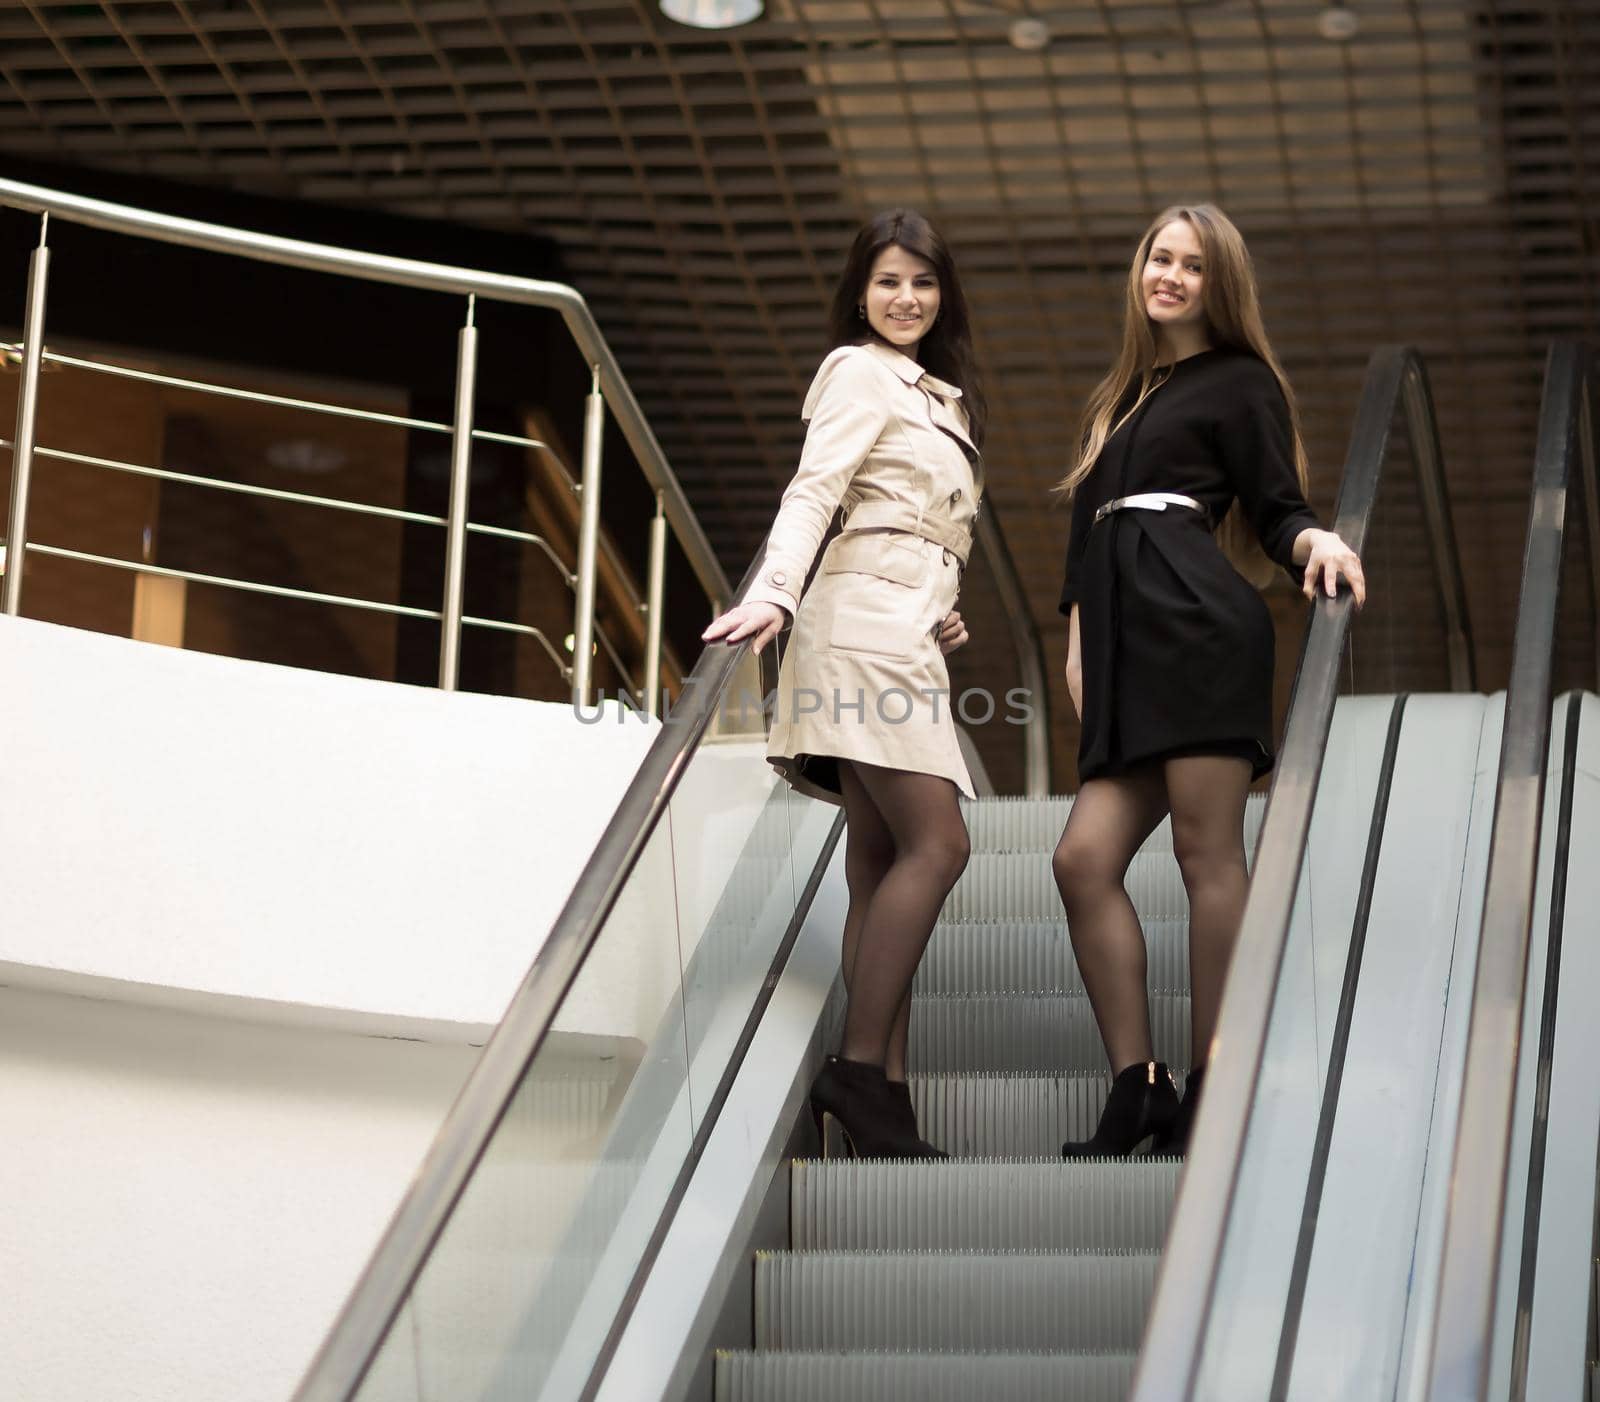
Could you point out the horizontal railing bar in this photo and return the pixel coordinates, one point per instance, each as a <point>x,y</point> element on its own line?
<point>167,474</point>
<point>390,513</point>
<point>527,538</point>
<point>526,630</point>
<point>314,596</point>
<point>281,591</point>
<point>258,396</point>
<point>516,440</point>
<point>287,401</point>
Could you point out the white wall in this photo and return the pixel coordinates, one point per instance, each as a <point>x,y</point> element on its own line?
<point>189,1198</point>
<point>356,853</point>
<point>227,891</point>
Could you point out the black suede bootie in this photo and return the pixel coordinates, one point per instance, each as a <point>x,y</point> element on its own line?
<point>900,1092</point>
<point>856,1095</point>
<point>1142,1107</point>
<point>1188,1108</point>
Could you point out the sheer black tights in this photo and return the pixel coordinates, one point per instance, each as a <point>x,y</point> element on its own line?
<point>905,846</point>
<point>1110,819</point>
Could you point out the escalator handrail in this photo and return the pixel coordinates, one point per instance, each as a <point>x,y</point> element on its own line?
<point>385,1283</point>
<point>1459,1354</point>
<point>1180,1309</point>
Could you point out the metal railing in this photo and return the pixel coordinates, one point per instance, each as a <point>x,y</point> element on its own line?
<point>1459,1357</point>
<point>608,391</point>
<point>1180,1310</point>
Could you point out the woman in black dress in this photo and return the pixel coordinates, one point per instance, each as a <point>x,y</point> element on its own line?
<point>1190,485</point>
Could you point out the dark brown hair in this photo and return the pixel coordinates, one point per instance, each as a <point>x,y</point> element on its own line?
<point>946,351</point>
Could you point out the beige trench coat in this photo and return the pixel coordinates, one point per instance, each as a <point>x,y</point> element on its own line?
<point>862,676</point>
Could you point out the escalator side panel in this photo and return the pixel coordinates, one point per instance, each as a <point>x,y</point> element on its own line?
<point>1526,1088</point>
<point>1402,1065</point>
<point>1258,1253</point>
<point>1431,1177</point>
<point>1561,1301</point>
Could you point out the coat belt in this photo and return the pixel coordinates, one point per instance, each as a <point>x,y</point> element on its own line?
<point>896,516</point>
<point>1152,501</point>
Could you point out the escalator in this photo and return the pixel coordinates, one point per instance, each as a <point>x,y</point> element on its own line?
<point>1006,1269</point>
<point>678,1237</point>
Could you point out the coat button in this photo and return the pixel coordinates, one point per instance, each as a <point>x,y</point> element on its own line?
<point>955,496</point>
<point>778,577</point>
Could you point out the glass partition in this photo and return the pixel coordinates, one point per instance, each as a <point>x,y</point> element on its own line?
<point>521,1290</point>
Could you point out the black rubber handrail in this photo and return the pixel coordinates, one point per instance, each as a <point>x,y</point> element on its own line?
<point>1180,1310</point>
<point>359,1331</point>
<point>1458,1362</point>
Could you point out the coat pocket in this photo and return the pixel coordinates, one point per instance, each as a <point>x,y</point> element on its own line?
<point>876,589</point>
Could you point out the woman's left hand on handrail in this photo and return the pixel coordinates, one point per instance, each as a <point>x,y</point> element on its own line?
<point>760,623</point>
<point>1326,558</point>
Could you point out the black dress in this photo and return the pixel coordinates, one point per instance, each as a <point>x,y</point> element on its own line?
<point>1176,644</point>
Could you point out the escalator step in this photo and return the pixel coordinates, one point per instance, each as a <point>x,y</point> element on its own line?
<point>923,1377</point>
<point>878,1205</point>
<point>961,1301</point>
<point>1035,824</point>
<point>1024,1032</point>
<point>1034,956</point>
<point>1010,1115</point>
<point>1020,886</point>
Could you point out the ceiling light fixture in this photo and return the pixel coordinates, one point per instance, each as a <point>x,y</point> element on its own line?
<point>1029,35</point>
<point>1338,22</point>
<point>712,14</point>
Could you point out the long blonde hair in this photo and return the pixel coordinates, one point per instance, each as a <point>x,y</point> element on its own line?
<point>1233,316</point>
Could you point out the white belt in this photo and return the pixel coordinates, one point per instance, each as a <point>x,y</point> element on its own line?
<point>1151,501</point>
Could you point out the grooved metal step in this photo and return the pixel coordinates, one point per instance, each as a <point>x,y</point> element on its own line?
<point>960,1301</point>
<point>1034,956</point>
<point>1026,1031</point>
<point>1035,824</point>
<point>1010,1115</point>
<point>868,1205</point>
<point>923,1377</point>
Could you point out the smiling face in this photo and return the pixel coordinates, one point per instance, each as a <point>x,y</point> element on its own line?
<point>901,298</point>
<point>1173,280</point>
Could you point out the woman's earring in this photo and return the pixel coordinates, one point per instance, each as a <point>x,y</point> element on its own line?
<point>861,310</point>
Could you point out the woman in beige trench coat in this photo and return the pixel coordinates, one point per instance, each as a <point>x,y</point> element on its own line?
<point>895,419</point>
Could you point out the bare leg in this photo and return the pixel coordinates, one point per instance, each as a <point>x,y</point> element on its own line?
<point>923,817</point>
<point>1207,794</point>
<point>1110,819</point>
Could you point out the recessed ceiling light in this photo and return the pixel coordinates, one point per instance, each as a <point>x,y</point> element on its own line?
<point>1030,35</point>
<point>712,14</point>
<point>1338,22</point>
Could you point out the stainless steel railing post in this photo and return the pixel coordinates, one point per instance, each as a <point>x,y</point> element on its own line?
<point>27,415</point>
<point>655,593</point>
<point>594,424</point>
<point>455,551</point>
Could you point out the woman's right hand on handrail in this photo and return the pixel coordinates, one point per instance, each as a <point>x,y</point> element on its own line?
<point>758,622</point>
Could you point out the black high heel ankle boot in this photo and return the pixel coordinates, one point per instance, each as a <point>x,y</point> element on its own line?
<point>900,1092</point>
<point>1183,1122</point>
<point>1143,1105</point>
<point>856,1094</point>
